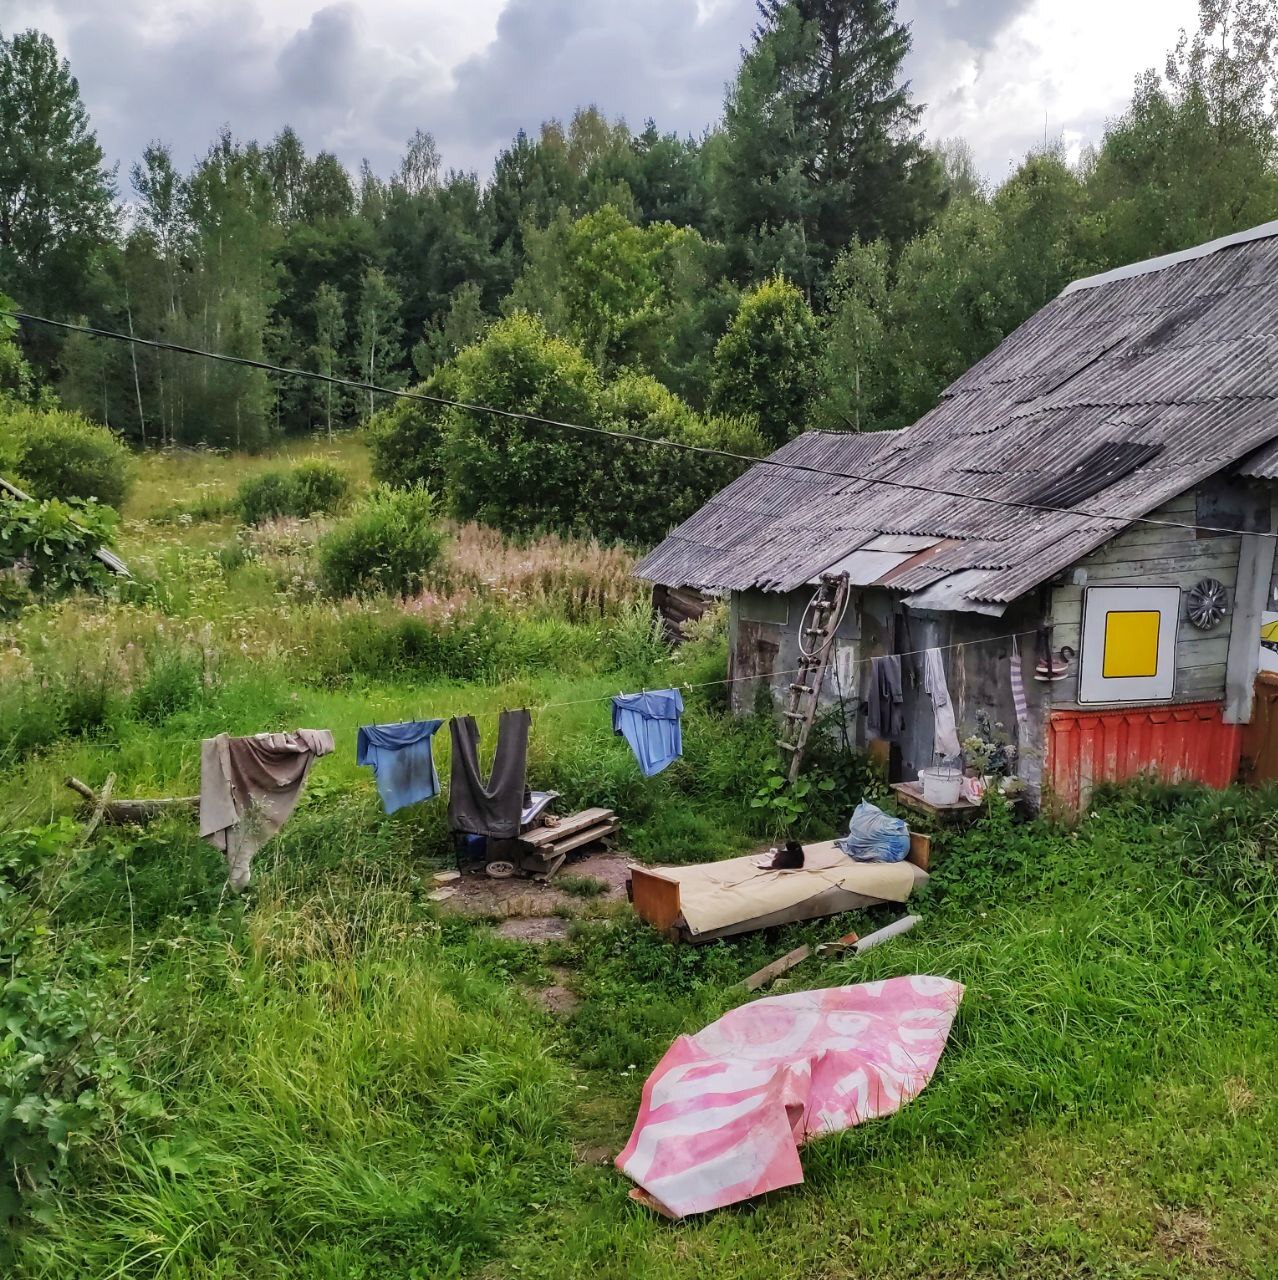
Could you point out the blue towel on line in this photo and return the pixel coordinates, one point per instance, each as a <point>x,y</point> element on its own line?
<point>402,759</point>
<point>652,724</point>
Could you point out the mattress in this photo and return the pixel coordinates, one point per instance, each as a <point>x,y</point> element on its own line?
<point>719,898</point>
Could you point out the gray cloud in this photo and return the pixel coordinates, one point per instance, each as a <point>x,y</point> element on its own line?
<point>359,76</point>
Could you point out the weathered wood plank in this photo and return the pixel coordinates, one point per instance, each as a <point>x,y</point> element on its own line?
<point>1192,565</point>
<point>777,968</point>
<point>1255,569</point>
<point>589,836</point>
<point>654,897</point>
<point>1196,648</point>
<point>554,835</point>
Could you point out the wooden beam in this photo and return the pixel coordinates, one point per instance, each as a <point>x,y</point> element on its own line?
<point>920,850</point>
<point>777,968</point>
<point>133,812</point>
<point>1255,568</point>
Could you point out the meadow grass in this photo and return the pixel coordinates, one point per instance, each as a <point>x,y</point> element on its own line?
<point>329,1078</point>
<point>196,482</point>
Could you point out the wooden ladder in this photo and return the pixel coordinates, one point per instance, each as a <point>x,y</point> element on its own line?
<point>817,627</point>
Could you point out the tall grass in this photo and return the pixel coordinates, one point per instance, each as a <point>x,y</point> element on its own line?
<point>338,1080</point>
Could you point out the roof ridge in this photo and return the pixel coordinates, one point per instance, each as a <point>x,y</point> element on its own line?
<point>1264,231</point>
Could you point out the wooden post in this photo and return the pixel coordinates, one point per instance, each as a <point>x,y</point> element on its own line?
<point>1255,568</point>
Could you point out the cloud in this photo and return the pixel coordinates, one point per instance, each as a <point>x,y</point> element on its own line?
<point>359,76</point>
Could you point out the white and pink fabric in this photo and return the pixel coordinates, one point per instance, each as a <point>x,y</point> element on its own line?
<point>726,1110</point>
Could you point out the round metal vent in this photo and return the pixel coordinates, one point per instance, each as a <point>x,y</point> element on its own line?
<point>1208,604</point>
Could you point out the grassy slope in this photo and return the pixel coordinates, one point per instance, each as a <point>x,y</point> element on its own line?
<point>347,1085</point>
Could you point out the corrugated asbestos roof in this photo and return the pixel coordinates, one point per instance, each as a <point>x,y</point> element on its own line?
<point>1172,362</point>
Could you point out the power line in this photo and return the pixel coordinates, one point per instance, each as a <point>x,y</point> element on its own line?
<point>857,665</point>
<point>516,415</point>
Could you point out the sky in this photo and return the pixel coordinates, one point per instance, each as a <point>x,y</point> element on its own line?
<point>358,77</point>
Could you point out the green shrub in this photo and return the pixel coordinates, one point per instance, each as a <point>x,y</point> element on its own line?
<point>388,544</point>
<point>644,490</point>
<point>264,497</point>
<point>62,455</point>
<point>53,543</point>
<point>311,487</point>
<point>516,475</point>
<point>407,439</point>
<point>319,487</point>
<point>172,683</point>
<point>522,476</point>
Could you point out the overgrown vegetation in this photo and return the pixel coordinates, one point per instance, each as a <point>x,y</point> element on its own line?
<point>313,487</point>
<point>333,1077</point>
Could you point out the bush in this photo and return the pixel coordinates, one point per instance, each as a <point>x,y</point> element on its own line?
<point>309,488</point>
<point>319,487</point>
<point>515,475</point>
<point>53,544</point>
<point>389,543</point>
<point>62,455</point>
<point>174,682</point>
<point>407,439</point>
<point>522,477</point>
<point>644,490</point>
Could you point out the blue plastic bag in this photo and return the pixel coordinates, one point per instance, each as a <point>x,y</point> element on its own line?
<point>874,836</point>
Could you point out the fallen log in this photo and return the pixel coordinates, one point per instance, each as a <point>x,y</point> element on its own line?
<point>123,813</point>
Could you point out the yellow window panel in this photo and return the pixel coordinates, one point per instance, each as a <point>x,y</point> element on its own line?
<point>1131,643</point>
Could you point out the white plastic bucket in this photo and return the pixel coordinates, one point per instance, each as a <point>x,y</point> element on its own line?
<point>940,786</point>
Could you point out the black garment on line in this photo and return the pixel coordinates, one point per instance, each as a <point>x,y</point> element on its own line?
<point>492,808</point>
<point>886,720</point>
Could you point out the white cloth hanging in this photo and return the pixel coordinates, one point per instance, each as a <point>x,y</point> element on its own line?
<point>945,741</point>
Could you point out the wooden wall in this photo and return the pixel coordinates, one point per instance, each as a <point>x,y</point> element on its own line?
<point>1152,556</point>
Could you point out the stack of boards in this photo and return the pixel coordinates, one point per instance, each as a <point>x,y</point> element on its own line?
<point>552,844</point>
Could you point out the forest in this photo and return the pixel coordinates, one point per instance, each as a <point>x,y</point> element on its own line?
<point>812,260</point>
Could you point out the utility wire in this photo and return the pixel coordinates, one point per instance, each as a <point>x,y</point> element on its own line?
<point>447,402</point>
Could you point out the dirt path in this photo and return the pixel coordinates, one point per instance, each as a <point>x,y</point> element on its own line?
<point>519,902</point>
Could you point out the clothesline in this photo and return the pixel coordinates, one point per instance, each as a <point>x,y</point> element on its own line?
<point>709,684</point>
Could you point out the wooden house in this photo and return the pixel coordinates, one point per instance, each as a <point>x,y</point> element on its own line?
<point>1094,498</point>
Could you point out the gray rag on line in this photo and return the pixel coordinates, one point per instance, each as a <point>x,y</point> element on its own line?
<point>249,788</point>
<point>945,741</point>
<point>491,808</point>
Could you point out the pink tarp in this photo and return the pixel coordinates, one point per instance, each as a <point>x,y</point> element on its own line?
<point>726,1110</point>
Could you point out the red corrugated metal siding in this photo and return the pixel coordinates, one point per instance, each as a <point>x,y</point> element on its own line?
<point>1178,744</point>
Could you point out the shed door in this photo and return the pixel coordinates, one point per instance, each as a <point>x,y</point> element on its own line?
<point>1260,737</point>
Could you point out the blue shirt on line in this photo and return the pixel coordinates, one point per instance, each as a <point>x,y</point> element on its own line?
<point>402,760</point>
<point>652,724</point>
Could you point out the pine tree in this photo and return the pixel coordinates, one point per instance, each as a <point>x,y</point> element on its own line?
<point>822,136</point>
<point>55,196</point>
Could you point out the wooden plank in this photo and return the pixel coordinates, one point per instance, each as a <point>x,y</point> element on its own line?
<point>1215,565</point>
<point>654,898</point>
<point>920,850</point>
<point>1201,649</point>
<point>777,968</point>
<point>600,832</point>
<point>575,822</point>
<point>1255,569</point>
<point>911,796</point>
